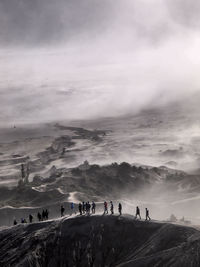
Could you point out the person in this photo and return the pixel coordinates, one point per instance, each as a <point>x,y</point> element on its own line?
<point>15,222</point>
<point>137,213</point>
<point>105,207</point>
<point>120,208</point>
<point>111,207</point>
<point>88,207</point>
<point>30,218</point>
<point>72,207</point>
<point>80,208</point>
<point>93,207</point>
<point>62,209</point>
<point>22,220</point>
<point>46,214</point>
<point>39,216</point>
<point>83,207</point>
<point>147,214</point>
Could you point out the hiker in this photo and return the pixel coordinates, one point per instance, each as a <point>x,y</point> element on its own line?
<point>88,206</point>
<point>120,208</point>
<point>111,207</point>
<point>84,207</point>
<point>137,213</point>
<point>30,218</point>
<point>46,214</point>
<point>80,208</point>
<point>39,217</point>
<point>15,222</point>
<point>43,215</point>
<point>23,220</point>
<point>105,207</point>
<point>93,207</point>
<point>72,207</point>
<point>147,214</point>
<point>62,209</point>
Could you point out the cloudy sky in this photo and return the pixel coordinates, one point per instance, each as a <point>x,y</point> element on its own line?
<point>80,59</point>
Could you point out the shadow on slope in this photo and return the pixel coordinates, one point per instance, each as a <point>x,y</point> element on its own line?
<point>99,241</point>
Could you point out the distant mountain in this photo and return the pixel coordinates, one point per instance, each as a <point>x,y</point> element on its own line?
<point>163,190</point>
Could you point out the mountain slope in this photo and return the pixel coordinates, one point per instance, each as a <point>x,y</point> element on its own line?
<point>99,241</point>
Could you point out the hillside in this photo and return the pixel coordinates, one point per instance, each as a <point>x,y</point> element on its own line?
<point>164,191</point>
<point>99,241</point>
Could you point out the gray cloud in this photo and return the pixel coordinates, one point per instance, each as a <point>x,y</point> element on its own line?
<point>87,59</point>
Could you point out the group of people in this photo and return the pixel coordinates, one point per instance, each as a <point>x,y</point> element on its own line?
<point>83,208</point>
<point>112,208</point>
<point>138,214</point>
<point>87,208</point>
<point>44,215</point>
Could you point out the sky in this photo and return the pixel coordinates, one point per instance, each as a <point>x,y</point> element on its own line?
<point>87,59</point>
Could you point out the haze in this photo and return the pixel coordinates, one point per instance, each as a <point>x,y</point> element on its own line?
<point>90,59</point>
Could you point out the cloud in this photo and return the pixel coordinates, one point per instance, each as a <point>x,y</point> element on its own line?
<point>91,59</point>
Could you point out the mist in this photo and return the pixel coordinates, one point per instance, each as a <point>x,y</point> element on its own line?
<point>69,60</point>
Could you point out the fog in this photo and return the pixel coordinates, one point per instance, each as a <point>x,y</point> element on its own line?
<point>91,59</point>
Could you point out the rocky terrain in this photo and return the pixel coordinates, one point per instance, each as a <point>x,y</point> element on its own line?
<point>99,241</point>
<point>166,137</point>
<point>164,191</point>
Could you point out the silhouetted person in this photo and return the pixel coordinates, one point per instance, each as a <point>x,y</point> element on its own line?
<point>147,214</point>
<point>137,213</point>
<point>15,222</point>
<point>39,217</point>
<point>47,214</point>
<point>88,207</point>
<point>22,220</point>
<point>80,208</point>
<point>120,208</point>
<point>30,218</point>
<point>84,207</point>
<point>111,207</point>
<point>105,207</point>
<point>72,207</point>
<point>93,207</point>
<point>62,210</point>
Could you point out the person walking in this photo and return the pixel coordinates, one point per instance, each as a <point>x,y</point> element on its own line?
<point>137,213</point>
<point>72,207</point>
<point>80,208</point>
<point>111,207</point>
<point>120,208</point>
<point>62,210</point>
<point>39,216</point>
<point>30,218</point>
<point>147,214</point>
<point>46,214</point>
<point>84,207</point>
<point>105,207</point>
<point>93,207</point>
